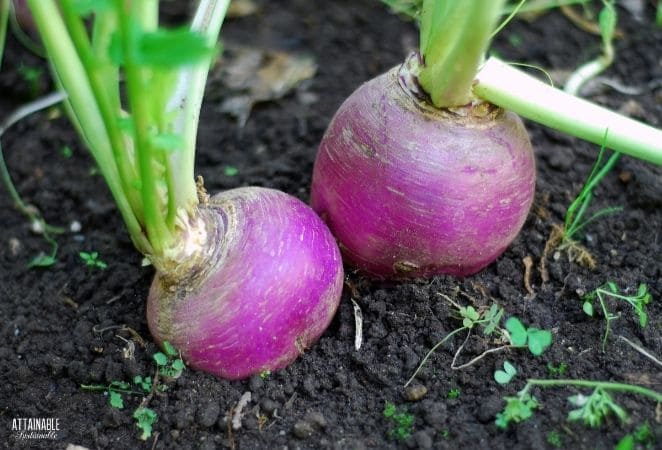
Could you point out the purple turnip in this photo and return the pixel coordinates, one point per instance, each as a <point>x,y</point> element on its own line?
<point>424,170</point>
<point>245,281</point>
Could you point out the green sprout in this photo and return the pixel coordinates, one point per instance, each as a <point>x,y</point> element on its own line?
<point>557,371</point>
<point>591,410</point>
<point>642,435</point>
<point>265,374</point>
<point>145,418</point>
<point>554,439</point>
<point>535,339</point>
<point>402,422</point>
<point>506,375</point>
<point>66,151</point>
<point>169,363</point>
<point>92,260</point>
<point>514,332</point>
<point>518,409</point>
<point>574,216</point>
<point>230,171</point>
<point>607,22</point>
<point>453,394</point>
<point>638,302</point>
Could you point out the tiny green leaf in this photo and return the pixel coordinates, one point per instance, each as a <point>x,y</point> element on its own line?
<point>230,171</point>
<point>169,349</point>
<point>178,365</point>
<point>115,399</point>
<point>41,261</point>
<point>517,331</point>
<point>506,375</point>
<point>160,359</point>
<point>145,418</point>
<point>538,340</point>
<point>588,308</point>
<point>172,48</point>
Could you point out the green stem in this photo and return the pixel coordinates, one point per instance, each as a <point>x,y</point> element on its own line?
<point>186,101</point>
<point>512,89</point>
<point>158,233</point>
<point>96,74</point>
<point>454,37</point>
<point>71,74</point>
<point>432,350</point>
<point>606,385</point>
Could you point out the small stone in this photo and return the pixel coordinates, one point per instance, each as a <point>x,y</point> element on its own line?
<point>14,246</point>
<point>416,392</point>
<point>268,406</point>
<point>317,419</point>
<point>208,414</point>
<point>423,440</point>
<point>75,226</point>
<point>302,429</point>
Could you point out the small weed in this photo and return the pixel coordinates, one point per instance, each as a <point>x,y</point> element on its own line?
<point>66,152</point>
<point>593,409</point>
<point>554,439</point>
<point>265,374</point>
<point>557,371</point>
<point>92,260</point>
<point>169,363</point>
<point>445,434</point>
<point>145,418</point>
<point>453,393</point>
<point>536,340</point>
<point>506,375</point>
<point>230,171</point>
<point>403,423</point>
<point>610,289</point>
<point>517,409</point>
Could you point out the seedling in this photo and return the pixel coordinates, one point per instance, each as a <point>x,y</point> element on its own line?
<point>607,22</point>
<point>66,151</point>
<point>591,410</point>
<point>92,260</point>
<point>169,363</point>
<point>230,171</point>
<point>403,423</point>
<point>557,371</point>
<point>514,333</point>
<point>554,439</point>
<point>506,375</point>
<point>265,374</point>
<point>453,393</point>
<point>145,418</point>
<point>610,289</point>
<point>564,238</point>
<point>642,435</point>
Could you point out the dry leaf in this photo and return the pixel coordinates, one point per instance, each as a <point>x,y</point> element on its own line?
<point>258,75</point>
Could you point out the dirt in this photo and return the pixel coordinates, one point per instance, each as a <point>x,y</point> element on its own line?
<point>67,325</point>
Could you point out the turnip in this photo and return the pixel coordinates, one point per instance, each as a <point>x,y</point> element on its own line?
<point>424,170</point>
<point>246,280</point>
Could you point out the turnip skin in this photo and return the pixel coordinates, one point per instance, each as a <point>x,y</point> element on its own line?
<point>267,290</point>
<point>411,191</point>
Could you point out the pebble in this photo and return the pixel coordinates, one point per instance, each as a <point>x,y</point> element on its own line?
<point>208,414</point>
<point>423,440</point>
<point>302,429</point>
<point>317,419</point>
<point>416,392</point>
<point>268,406</point>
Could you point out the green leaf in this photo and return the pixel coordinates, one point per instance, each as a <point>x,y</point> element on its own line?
<point>172,48</point>
<point>588,308</point>
<point>169,349</point>
<point>493,318</point>
<point>607,22</point>
<point>517,331</point>
<point>230,171</point>
<point>626,443</point>
<point>509,368</point>
<point>178,365</point>
<point>115,399</point>
<point>538,340</point>
<point>389,409</point>
<point>168,141</point>
<point>506,375</point>
<point>160,359</point>
<point>145,418</point>
<point>42,261</point>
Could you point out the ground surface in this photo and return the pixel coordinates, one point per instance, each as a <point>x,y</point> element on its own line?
<point>62,327</point>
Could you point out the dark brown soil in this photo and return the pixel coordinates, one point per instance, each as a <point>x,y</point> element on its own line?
<point>61,327</point>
